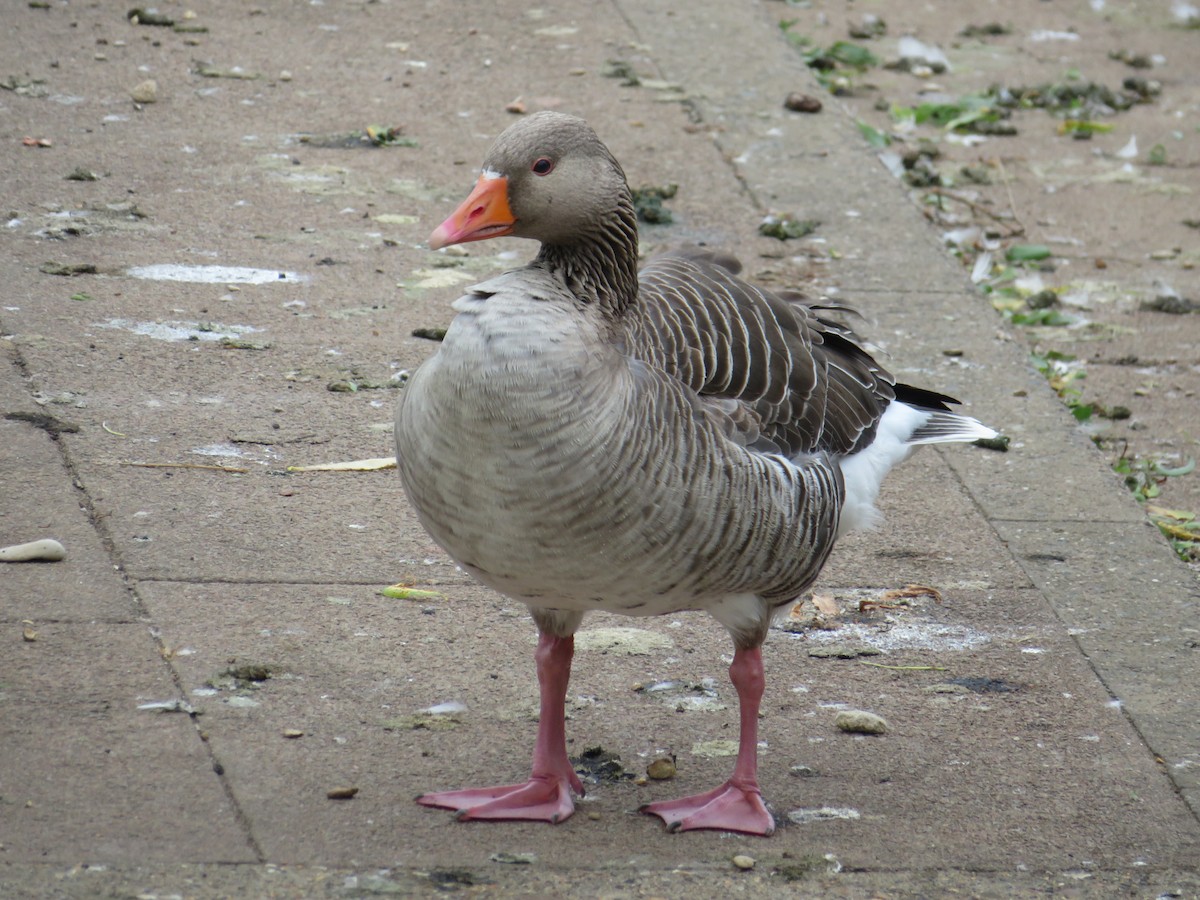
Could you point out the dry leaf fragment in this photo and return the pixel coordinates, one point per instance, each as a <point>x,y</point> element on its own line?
<point>922,590</point>
<point>897,597</point>
<point>404,592</point>
<point>825,604</point>
<point>823,614</point>
<point>354,465</point>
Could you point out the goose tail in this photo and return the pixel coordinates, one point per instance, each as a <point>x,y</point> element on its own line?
<point>947,427</point>
<point>921,417</point>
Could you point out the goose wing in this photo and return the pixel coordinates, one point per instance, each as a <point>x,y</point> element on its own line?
<point>781,373</point>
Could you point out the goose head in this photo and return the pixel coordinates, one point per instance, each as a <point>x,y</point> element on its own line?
<point>547,177</point>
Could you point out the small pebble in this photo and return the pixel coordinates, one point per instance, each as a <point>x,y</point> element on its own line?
<point>146,92</point>
<point>744,862</point>
<point>805,103</point>
<point>858,721</point>
<point>1043,300</point>
<point>46,549</point>
<point>662,769</point>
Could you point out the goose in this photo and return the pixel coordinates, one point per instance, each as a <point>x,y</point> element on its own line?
<point>590,437</point>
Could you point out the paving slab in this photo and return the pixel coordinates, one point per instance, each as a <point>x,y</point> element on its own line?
<point>1042,739</point>
<point>1114,606</point>
<point>807,877</point>
<point>86,772</point>
<point>40,500</point>
<point>921,492</point>
<point>982,721</point>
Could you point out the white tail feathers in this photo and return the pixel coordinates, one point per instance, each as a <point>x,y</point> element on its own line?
<point>946,427</point>
<point>900,430</point>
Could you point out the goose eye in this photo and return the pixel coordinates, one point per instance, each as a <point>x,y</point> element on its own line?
<point>542,166</point>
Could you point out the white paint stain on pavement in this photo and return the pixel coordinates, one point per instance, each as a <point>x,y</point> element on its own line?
<point>215,274</point>
<point>179,331</point>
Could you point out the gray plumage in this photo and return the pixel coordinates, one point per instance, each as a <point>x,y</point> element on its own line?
<point>588,438</point>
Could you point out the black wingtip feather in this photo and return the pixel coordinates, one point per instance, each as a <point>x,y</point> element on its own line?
<point>923,399</point>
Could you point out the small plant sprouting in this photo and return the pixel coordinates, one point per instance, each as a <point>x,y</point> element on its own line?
<point>834,65</point>
<point>1144,477</point>
<point>1061,371</point>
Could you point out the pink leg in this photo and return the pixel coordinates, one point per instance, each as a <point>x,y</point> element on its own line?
<point>546,796</point>
<point>737,804</point>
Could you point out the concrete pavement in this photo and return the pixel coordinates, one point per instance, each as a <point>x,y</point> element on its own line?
<point>179,696</point>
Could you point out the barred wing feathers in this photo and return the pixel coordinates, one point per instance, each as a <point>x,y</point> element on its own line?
<point>799,381</point>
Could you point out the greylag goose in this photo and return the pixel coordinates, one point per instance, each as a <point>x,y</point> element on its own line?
<point>589,437</point>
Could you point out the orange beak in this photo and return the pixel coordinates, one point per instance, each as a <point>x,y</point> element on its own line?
<point>484,214</point>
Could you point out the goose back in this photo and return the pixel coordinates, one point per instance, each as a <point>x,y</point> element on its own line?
<point>788,378</point>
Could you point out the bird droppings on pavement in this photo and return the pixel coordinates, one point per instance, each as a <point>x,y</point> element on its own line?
<point>822,814</point>
<point>715,749</point>
<point>180,331</point>
<point>887,637</point>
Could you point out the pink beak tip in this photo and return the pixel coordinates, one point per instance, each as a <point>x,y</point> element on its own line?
<point>441,237</point>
